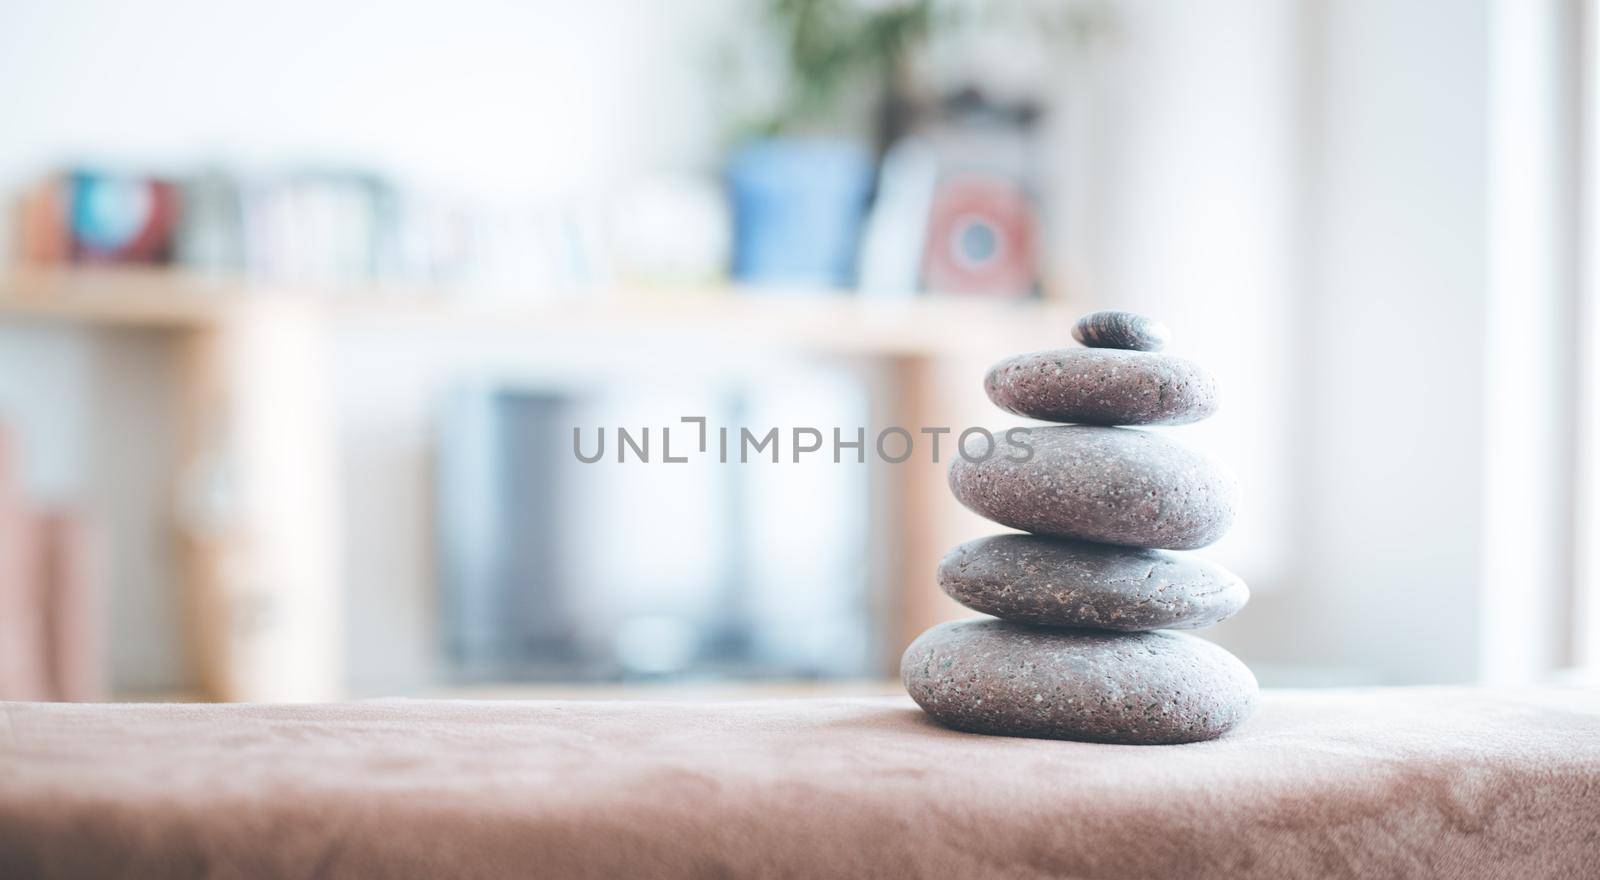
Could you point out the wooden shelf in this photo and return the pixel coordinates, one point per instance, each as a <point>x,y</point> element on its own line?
<point>828,320</point>
<point>139,298</point>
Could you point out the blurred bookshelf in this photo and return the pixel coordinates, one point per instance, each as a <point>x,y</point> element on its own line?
<point>258,495</point>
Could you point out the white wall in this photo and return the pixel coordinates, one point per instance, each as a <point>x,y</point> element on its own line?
<point>1533,336</point>
<point>485,96</point>
<point>1394,328</point>
<point>1184,209</point>
<point>1303,192</point>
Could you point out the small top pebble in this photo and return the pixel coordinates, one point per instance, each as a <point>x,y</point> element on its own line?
<point>1125,330</point>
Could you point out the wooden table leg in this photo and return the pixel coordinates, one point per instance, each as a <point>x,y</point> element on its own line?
<point>258,505</point>
<point>925,516</point>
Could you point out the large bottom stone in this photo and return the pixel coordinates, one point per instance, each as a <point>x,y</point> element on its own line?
<point>1150,688</point>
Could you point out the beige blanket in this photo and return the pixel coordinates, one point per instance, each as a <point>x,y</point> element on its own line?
<point>1376,783</point>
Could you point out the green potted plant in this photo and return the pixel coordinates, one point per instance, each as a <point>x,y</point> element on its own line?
<point>801,176</point>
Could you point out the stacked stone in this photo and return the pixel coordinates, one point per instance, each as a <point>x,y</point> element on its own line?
<point>1083,648</point>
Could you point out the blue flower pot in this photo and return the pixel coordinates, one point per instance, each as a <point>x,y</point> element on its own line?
<point>798,208</point>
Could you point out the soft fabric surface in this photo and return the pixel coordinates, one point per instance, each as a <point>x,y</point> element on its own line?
<point>1378,783</point>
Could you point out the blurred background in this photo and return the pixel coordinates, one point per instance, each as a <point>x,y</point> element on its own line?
<point>301,303</point>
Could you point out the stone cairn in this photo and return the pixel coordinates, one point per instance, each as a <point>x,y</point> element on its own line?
<point>1082,648</point>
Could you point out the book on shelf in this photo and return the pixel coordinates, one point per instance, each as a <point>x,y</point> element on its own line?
<point>311,227</point>
<point>51,593</point>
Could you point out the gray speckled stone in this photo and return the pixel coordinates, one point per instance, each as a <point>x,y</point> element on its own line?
<point>991,676</point>
<point>1109,485</point>
<point>1103,386</point>
<point>1118,329</point>
<point>1062,582</point>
